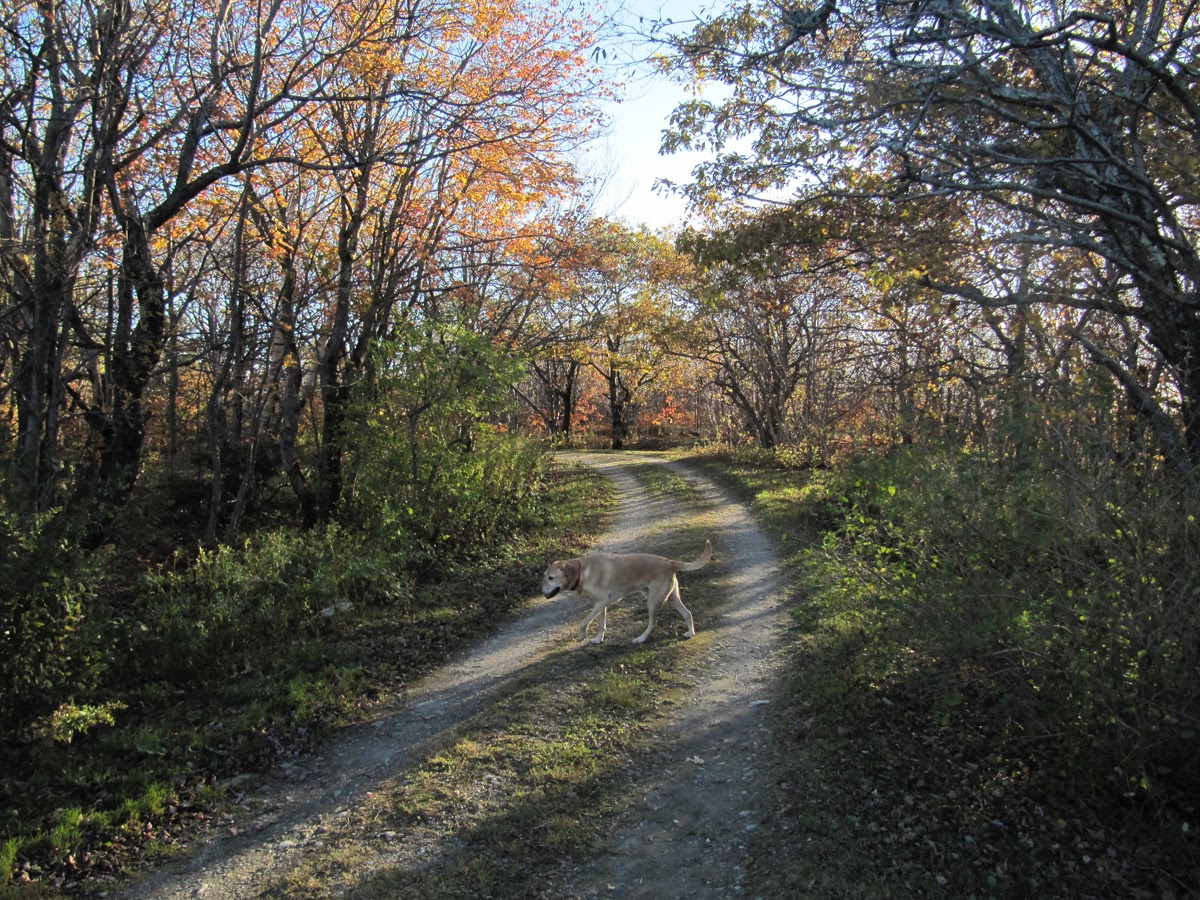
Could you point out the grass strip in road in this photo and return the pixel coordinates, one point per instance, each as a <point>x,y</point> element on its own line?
<point>520,793</point>
<point>661,482</point>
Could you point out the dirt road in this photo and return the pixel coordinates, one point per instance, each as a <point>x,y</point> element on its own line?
<point>696,797</point>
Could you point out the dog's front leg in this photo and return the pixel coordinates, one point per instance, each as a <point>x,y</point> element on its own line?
<point>599,638</point>
<point>600,610</point>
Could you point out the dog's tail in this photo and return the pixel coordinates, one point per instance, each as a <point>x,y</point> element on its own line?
<point>697,563</point>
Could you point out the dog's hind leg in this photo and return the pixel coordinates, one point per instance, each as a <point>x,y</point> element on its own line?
<point>654,602</point>
<point>683,611</point>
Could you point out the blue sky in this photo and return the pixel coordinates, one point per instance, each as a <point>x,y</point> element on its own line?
<point>630,150</point>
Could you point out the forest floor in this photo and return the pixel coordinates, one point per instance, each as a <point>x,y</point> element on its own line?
<point>534,766</point>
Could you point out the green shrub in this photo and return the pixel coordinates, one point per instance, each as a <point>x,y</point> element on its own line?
<point>49,649</point>
<point>462,503</point>
<point>1071,594</point>
<point>428,471</point>
<point>71,719</point>
<point>236,603</point>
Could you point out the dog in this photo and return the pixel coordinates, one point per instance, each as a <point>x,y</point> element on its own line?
<point>605,578</point>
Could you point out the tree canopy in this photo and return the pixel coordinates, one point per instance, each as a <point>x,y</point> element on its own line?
<point>1055,138</point>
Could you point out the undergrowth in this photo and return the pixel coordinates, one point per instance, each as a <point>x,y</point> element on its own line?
<point>997,674</point>
<point>236,659</point>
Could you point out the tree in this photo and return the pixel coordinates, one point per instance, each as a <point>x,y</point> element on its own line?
<point>95,175</point>
<point>1078,122</point>
<point>358,143</point>
<point>765,322</point>
<point>470,142</point>
<point>626,288</point>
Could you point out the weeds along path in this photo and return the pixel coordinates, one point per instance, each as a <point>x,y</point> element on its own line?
<point>692,795</point>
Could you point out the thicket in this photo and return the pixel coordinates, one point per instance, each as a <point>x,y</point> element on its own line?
<point>1031,603</point>
<point>1070,595</point>
<point>50,644</point>
<point>131,682</point>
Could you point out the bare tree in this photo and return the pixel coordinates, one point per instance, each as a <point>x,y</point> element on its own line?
<point>765,322</point>
<point>1079,121</point>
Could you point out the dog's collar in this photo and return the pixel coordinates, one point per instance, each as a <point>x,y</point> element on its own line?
<point>578,578</point>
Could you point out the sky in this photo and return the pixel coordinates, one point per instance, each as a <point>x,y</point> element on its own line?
<point>630,150</point>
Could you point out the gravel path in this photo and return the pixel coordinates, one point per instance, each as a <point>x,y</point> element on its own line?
<point>706,793</point>
<point>696,804</point>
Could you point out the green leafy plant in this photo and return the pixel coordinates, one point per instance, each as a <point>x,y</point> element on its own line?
<point>430,474</point>
<point>69,719</point>
<point>230,602</point>
<point>48,647</point>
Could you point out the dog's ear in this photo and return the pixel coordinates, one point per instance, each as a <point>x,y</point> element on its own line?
<point>572,569</point>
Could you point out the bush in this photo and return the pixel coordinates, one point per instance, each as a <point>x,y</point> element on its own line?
<point>1073,595</point>
<point>428,472</point>
<point>231,604</point>
<point>460,503</point>
<point>48,646</point>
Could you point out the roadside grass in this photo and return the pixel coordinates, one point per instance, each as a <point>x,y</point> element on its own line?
<point>175,759</point>
<point>908,773</point>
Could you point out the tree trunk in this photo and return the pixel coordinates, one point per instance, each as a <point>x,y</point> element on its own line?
<point>291,400</point>
<point>119,426</point>
<point>618,399</point>
<point>335,393</point>
<point>567,396</point>
<point>38,389</point>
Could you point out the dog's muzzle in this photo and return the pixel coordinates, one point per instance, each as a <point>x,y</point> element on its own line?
<point>552,593</point>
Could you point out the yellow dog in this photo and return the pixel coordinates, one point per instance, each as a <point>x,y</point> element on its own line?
<point>605,578</point>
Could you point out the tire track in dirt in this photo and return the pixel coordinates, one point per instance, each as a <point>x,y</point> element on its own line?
<point>706,790</point>
<point>694,808</point>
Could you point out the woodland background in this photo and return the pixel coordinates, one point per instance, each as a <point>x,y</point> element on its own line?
<point>295,296</point>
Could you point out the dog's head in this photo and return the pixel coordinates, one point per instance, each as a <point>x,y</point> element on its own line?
<point>561,576</point>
